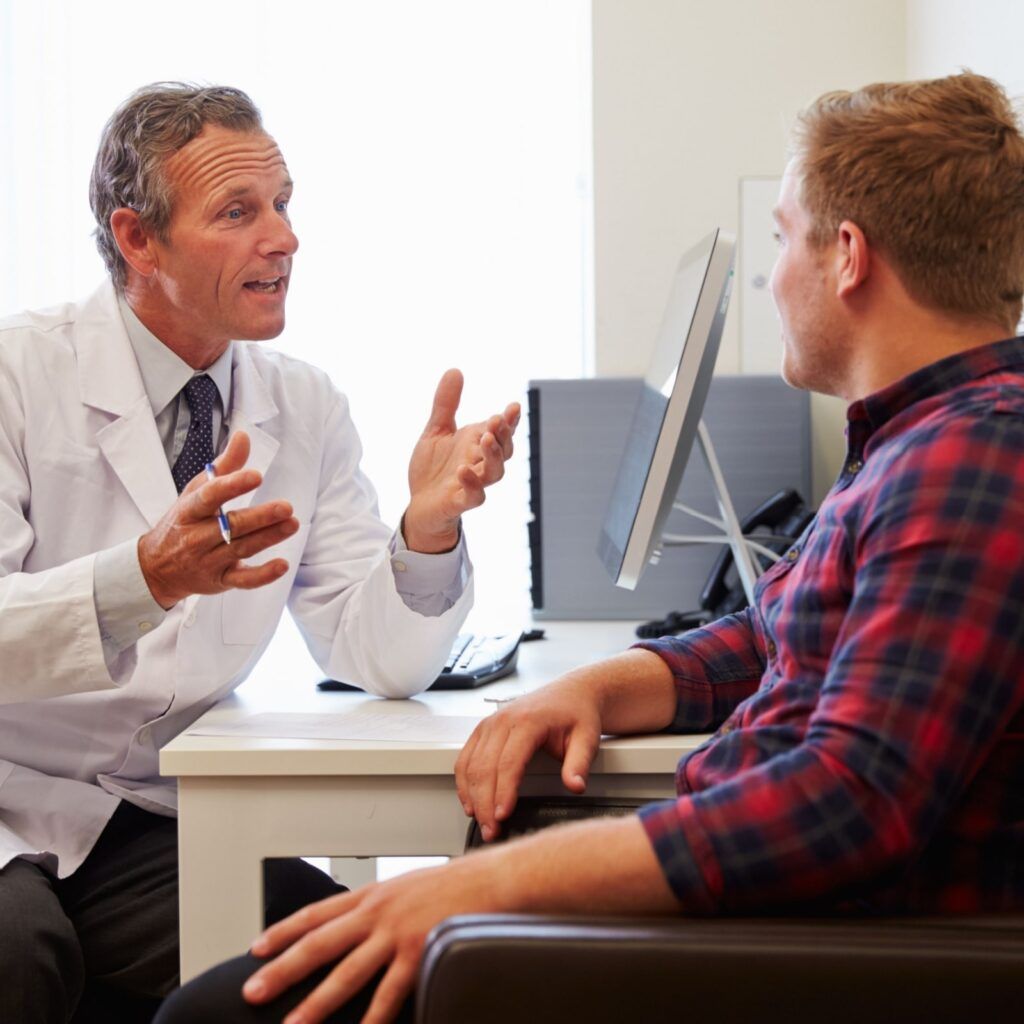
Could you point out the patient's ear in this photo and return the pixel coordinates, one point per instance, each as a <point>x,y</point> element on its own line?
<point>134,241</point>
<point>853,259</point>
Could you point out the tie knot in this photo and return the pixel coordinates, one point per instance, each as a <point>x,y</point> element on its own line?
<point>201,393</point>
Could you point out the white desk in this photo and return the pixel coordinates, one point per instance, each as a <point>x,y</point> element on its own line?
<point>243,799</point>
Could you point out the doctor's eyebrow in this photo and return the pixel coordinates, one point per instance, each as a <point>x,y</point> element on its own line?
<point>241,191</point>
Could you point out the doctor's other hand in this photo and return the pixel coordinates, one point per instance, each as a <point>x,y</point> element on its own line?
<point>563,718</point>
<point>185,554</point>
<point>451,466</point>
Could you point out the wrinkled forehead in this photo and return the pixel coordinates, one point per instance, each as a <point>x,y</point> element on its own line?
<point>218,156</point>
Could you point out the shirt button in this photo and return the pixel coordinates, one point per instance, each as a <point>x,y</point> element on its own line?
<point>792,554</point>
<point>145,627</point>
<point>399,566</point>
<point>854,466</point>
<point>191,620</point>
<point>772,649</point>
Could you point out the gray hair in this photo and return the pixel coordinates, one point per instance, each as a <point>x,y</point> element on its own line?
<point>143,133</point>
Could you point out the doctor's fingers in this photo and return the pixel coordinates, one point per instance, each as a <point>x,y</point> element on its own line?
<point>490,465</point>
<point>502,430</point>
<point>202,498</point>
<point>244,521</point>
<point>235,454</point>
<point>254,542</point>
<point>249,577</point>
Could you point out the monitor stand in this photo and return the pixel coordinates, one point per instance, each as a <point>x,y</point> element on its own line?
<point>729,524</point>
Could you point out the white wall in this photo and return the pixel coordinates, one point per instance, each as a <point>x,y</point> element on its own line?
<point>441,159</point>
<point>689,97</point>
<point>985,36</point>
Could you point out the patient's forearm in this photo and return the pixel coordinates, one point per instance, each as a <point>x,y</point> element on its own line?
<point>635,692</point>
<point>602,866</point>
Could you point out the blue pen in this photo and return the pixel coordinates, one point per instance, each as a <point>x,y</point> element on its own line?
<point>222,519</point>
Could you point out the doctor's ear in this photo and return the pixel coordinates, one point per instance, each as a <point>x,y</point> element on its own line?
<point>134,241</point>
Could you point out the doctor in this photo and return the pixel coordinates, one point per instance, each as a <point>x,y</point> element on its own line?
<point>124,611</point>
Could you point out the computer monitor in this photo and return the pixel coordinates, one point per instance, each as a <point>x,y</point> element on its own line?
<point>668,412</point>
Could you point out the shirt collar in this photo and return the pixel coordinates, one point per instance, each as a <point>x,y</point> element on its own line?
<point>868,414</point>
<point>163,373</point>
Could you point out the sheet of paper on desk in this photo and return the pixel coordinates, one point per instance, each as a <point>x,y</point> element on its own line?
<point>394,724</point>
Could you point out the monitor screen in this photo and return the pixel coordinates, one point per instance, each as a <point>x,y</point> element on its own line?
<point>669,409</point>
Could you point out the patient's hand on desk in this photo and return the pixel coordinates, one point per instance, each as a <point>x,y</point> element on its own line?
<point>184,553</point>
<point>630,693</point>
<point>563,718</point>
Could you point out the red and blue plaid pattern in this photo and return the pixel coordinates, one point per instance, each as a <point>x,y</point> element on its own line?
<point>870,706</point>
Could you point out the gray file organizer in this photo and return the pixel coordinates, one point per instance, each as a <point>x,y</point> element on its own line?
<point>760,428</point>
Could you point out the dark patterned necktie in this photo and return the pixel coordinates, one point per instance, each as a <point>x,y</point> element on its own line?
<point>200,393</point>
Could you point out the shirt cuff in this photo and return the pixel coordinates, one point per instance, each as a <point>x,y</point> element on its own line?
<point>686,858</point>
<point>125,609</point>
<point>429,584</point>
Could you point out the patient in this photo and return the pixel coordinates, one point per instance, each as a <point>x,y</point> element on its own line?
<point>869,707</point>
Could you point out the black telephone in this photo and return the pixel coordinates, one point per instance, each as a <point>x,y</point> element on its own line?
<point>775,523</point>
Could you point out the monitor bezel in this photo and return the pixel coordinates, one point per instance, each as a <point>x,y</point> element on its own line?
<point>679,426</point>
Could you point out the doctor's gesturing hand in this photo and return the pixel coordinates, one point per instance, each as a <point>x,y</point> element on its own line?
<point>450,467</point>
<point>184,553</point>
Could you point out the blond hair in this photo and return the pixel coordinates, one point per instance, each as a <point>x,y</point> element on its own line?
<point>933,173</point>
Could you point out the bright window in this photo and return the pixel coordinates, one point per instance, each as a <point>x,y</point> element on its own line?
<point>442,165</point>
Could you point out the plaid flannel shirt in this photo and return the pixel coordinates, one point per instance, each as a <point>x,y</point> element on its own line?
<point>870,705</point>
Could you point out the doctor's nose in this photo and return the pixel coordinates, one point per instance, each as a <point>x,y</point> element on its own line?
<point>279,240</point>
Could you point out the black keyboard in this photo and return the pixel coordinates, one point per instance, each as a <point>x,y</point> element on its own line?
<point>475,659</point>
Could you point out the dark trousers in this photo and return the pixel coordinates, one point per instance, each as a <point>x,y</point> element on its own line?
<point>216,997</point>
<point>102,945</point>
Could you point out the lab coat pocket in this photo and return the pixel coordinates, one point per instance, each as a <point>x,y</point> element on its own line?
<point>249,617</point>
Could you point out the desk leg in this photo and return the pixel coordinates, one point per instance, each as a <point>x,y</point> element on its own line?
<point>220,871</point>
<point>227,825</point>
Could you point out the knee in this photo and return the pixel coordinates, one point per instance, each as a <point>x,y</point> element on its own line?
<point>43,970</point>
<point>215,995</point>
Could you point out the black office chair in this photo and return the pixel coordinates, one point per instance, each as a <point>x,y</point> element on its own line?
<point>505,968</point>
<point>549,970</point>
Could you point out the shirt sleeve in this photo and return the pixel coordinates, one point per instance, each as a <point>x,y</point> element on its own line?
<point>923,679</point>
<point>125,609</point>
<point>715,667</point>
<point>429,584</point>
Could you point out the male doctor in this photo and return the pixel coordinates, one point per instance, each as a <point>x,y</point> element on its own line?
<point>125,612</point>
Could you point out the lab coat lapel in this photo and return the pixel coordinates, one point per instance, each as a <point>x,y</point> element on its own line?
<point>251,404</point>
<point>109,380</point>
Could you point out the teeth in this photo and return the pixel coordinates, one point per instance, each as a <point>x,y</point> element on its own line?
<point>265,286</point>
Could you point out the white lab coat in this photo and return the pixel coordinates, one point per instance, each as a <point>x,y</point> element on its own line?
<point>81,470</point>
